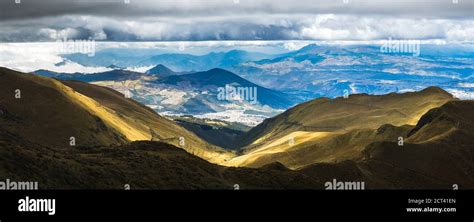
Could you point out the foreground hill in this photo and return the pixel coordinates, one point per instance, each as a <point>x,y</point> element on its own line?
<point>328,130</point>
<point>50,112</point>
<point>142,165</point>
<point>440,147</point>
<point>36,127</point>
<point>434,164</point>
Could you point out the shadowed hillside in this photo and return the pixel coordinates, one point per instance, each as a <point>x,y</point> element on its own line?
<point>142,165</point>
<point>220,133</point>
<point>439,147</point>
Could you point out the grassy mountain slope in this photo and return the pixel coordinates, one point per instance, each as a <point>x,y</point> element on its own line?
<point>47,114</point>
<point>430,164</point>
<point>148,122</point>
<point>423,162</point>
<point>328,130</point>
<point>94,115</point>
<point>447,156</point>
<point>35,129</point>
<point>142,165</point>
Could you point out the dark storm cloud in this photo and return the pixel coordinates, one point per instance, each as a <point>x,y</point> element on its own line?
<point>176,20</point>
<point>189,8</point>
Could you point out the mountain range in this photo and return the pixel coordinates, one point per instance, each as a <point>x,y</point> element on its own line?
<point>416,140</point>
<point>319,70</point>
<point>328,130</point>
<point>117,74</point>
<point>195,93</point>
<point>176,61</point>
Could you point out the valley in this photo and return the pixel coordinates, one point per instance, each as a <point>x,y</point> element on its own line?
<point>120,141</point>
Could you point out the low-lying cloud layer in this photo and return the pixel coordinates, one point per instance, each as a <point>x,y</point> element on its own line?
<point>191,20</point>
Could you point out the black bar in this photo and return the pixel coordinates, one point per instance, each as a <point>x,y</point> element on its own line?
<point>244,204</point>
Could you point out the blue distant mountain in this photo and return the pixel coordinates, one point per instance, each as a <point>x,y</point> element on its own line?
<point>161,70</point>
<point>175,61</point>
<point>319,70</point>
<point>187,62</point>
<point>122,57</point>
<point>113,75</point>
<point>212,79</point>
<point>335,70</point>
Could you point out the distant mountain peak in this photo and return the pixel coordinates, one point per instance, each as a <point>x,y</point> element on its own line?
<point>62,63</point>
<point>216,70</point>
<point>236,51</point>
<point>224,76</point>
<point>161,70</point>
<point>213,79</point>
<point>309,47</point>
<point>435,89</point>
<point>113,66</point>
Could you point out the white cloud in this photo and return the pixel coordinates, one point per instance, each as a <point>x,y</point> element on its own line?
<point>466,85</point>
<point>249,26</point>
<point>461,94</point>
<point>332,27</point>
<point>141,69</point>
<point>28,57</point>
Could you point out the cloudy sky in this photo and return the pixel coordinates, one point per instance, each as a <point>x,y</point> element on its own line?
<point>191,20</point>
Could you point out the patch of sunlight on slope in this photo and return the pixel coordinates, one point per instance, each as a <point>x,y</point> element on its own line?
<point>280,145</point>
<point>104,113</point>
<point>262,139</point>
<point>135,130</point>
